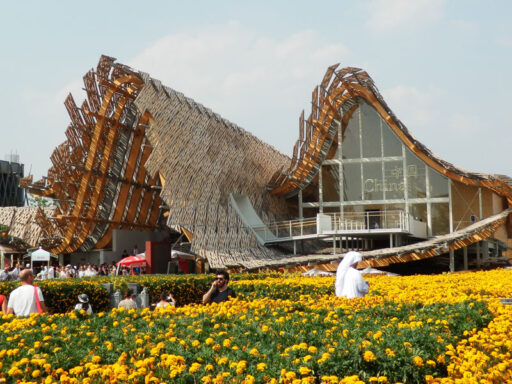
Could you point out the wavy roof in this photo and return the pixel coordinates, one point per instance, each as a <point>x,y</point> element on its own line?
<point>335,99</point>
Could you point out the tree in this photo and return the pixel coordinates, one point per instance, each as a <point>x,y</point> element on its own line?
<point>38,201</point>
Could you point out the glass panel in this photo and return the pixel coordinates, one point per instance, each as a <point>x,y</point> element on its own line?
<point>373,185</point>
<point>331,182</point>
<point>352,182</point>
<point>351,142</point>
<point>440,219</point>
<point>309,212</point>
<point>392,145</point>
<point>394,180</point>
<point>438,184</point>
<point>351,209</point>
<point>332,210</point>
<point>419,212</point>
<point>416,177</point>
<point>371,131</point>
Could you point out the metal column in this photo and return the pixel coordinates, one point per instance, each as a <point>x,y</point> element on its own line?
<point>452,261</point>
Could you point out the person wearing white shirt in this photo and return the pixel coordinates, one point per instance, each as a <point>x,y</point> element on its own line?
<point>15,272</point>
<point>23,301</point>
<point>90,272</point>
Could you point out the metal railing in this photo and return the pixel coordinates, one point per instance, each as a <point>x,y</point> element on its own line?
<point>333,223</point>
<point>396,220</point>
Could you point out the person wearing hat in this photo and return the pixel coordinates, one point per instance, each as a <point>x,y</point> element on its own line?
<point>83,303</point>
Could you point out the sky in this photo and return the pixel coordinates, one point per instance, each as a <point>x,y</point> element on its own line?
<point>443,67</point>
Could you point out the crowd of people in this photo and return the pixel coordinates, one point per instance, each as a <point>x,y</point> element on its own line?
<point>69,271</point>
<point>28,298</point>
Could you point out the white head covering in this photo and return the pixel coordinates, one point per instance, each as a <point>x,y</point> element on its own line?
<point>349,259</point>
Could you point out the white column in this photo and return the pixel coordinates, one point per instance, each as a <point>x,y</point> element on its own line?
<point>450,204</point>
<point>301,211</point>
<point>320,191</point>
<point>480,213</point>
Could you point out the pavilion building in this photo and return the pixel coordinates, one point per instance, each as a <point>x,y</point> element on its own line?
<point>140,156</point>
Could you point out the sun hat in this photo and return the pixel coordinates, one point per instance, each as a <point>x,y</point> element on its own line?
<point>83,298</point>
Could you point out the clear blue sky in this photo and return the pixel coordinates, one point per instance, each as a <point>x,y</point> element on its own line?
<point>442,66</point>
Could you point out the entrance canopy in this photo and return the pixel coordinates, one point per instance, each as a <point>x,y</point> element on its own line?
<point>40,255</point>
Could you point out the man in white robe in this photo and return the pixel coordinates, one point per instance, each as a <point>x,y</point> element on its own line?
<point>349,282</point>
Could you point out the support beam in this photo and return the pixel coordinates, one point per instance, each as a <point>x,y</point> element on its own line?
<point>465,250</point>
<point>452,261</point>
<point>478,259</point>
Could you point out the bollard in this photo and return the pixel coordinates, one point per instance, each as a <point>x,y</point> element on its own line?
<point>116,298</point>
<point>143,299</point>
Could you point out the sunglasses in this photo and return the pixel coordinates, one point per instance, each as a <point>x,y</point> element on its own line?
<point>220,278</point>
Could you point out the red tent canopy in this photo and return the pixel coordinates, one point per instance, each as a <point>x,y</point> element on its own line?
<point>131,261</point>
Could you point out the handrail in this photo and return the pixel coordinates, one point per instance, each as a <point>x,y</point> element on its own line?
<point>350,222</point>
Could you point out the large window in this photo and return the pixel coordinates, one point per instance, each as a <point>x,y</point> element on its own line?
<point>351,140</point>
<point>380,173</point>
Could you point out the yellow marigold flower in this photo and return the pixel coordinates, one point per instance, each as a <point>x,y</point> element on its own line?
<point>226,343</point>
<point>290,375</point>
<point>261,367</point>
<point>36,373</point>
<point>196,343</point>
<point>304,370</point>
<point>209,341</point>
<point>390,352</point>
<point>418,361</point>
<point>312,349</point>
<point>96,359</point>
<point>369,356</point>
<point>254,352</point>
<point>194,367</point>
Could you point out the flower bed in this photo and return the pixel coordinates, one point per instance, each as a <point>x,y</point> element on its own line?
<point>408,329</point>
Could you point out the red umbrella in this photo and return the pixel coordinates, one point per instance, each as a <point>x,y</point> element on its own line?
<point>132,261</point>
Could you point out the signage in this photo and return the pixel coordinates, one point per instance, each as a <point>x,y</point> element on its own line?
<point>40,257</point>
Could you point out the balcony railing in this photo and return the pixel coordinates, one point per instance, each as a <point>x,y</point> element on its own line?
<point>328,224</point>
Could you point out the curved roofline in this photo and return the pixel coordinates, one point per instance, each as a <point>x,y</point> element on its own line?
<point>346,86</point>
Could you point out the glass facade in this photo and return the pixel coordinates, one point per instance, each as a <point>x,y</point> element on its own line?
<point>380,173</point>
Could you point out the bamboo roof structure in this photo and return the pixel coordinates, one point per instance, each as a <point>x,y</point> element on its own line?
<point>98,180</point>
<point>136,147</point>
<point>334,101</point>
<point>23,224</point>
<point>201,158</point>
